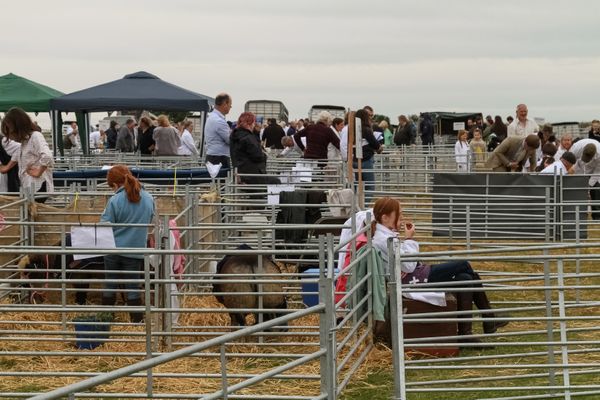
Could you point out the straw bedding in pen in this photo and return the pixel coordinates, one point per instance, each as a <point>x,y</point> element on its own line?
<point>86,361</point>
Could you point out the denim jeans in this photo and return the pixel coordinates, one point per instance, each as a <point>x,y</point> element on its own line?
<point>118,268</point>
<point>368,177</point>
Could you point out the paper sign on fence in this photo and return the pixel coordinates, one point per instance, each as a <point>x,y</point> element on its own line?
<point>301,173</point>
<point>90,237</point>
<point>274,190</point>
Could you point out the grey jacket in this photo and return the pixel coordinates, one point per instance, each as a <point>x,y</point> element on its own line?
<point>167,141</point>
<point>125,140</point>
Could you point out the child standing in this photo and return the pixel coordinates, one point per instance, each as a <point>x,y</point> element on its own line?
<point>461,151</point>
<point>477,147</point>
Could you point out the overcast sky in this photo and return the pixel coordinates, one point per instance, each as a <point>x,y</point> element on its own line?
<point>398,56</point>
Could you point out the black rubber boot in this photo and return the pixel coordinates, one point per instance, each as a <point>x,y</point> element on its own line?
<point>464,302</point>
<point>482,302</point>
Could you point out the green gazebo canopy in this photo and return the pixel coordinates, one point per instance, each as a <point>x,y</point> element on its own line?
<point>16,91</point>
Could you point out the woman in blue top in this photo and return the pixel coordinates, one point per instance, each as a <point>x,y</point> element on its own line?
<point>129,205</point>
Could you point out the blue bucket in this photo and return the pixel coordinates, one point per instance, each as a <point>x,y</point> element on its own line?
<point>310,290</point>
<point>89,335</point>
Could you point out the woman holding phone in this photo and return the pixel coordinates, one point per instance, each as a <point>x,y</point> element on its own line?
<point>387,224</point>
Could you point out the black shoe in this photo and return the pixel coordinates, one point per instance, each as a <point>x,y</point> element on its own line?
<point>492,326</point>
<point>476,343</point>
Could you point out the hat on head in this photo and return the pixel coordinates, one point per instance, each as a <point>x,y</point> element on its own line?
<point>532,141</point>
<point>570,157</point>
<point>589,151</point>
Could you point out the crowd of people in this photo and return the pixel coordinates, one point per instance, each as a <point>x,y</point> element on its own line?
<point>158,136</point>
<point>517,145</point>
<point>522,146</point>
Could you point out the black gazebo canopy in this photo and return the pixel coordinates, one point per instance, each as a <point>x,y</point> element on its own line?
<point>139,90</point>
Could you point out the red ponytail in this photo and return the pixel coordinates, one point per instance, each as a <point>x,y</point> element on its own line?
<point>119,175</point>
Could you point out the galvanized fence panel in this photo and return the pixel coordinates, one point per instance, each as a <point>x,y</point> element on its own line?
<point>546,291</point>
<point>178,310</point>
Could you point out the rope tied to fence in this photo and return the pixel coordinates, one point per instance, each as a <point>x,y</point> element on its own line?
<point>174,181</point>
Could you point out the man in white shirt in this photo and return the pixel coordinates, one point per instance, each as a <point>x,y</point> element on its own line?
<point>95,140</point>
<point>522,126</point>
<point>561,167</point>
<point>587,152</point>
<point>217,131</point>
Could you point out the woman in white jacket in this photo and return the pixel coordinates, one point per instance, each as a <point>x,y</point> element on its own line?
<point>188,147</point>
<point>388,221</point>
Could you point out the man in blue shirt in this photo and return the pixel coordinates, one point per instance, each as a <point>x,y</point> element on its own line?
<point>216,132</point>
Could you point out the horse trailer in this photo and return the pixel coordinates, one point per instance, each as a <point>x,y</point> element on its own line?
<point>267,109</point>
<point>335,111</point>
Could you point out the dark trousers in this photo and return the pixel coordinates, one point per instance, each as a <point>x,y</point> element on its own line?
<point>595,196</point>
<point>452,271</point>
<point>118,268</point>
<point>219,159</point>
<point>42,190</point>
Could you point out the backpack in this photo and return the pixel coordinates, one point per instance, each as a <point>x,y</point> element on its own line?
<point>67,144</point>
<point>413,133</point>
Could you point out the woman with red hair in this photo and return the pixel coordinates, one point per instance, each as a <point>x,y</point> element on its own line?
<point>246,152</point>
<point>130,204</point>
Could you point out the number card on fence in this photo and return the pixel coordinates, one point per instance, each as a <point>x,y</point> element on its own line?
<point>90,237</point>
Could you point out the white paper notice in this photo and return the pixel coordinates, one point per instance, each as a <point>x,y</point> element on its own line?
<point>301,173</point>
<point>457,126</point>
<point>89,237</point>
